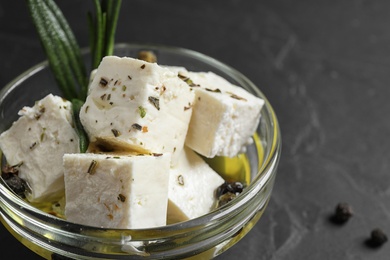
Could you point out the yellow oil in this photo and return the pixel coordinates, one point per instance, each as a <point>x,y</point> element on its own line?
<point>231,169</point>
<point>236,168</point>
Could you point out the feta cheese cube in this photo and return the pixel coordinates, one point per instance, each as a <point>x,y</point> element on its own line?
<point>224,116</point>
<point>117,191</point>
<point>192,187</point>
<point>136,105</point>
<point>38,140</point>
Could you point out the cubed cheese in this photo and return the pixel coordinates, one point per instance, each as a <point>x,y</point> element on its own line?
<point>38,140</point>
<point>224,116</point>
<point>136,105</point>
<point>116,191</point>
<point>192,187</point>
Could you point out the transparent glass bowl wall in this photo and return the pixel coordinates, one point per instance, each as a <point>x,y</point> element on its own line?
<point>204,237</point>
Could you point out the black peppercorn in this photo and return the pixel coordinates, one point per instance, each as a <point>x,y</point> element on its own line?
<point>343,213</point>
<point>377,238</point>
<point>225,198</point>
<point>228,191</point>
<point>14,182</point>
<point>232,187</point>
<point>8,171</point>
<point>17,185</point>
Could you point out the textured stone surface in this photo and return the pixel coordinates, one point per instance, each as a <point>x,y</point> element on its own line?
<point>324,65</point>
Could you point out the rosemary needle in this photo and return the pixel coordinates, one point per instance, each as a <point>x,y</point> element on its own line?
<point>83,138</point>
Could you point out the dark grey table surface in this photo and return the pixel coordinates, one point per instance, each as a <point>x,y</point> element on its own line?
<point>324,66</point>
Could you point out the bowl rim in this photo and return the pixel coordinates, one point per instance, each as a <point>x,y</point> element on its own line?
<point>262,177</point>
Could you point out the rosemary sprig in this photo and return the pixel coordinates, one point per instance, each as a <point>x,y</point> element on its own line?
<point>102,29</point>
<point>61,48</point>
<point>64,53</point>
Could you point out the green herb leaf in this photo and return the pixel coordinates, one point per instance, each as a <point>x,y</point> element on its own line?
<point>142,111</point>
<point>83,137</point>
<point>102,29</point>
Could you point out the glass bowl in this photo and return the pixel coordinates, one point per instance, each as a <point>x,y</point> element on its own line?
<point>201,238</point>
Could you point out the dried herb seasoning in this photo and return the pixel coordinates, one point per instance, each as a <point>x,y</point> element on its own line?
<point>187,80</point>
<point>180,180</point>
<point>238,97</point>
<point>122,197</point>
<point>103,82</point>
<point>217,90</point>
<point>142,111</point>
<point>136,126</point>
<point>182,77</point>
<point>40,112</point>
<point>92,167</point>
<point>155,102</point>
<point>42,136</point>
<point>115,132</point>
<point>33,145</point>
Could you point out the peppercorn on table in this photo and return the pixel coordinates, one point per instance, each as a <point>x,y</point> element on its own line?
<point>323,66</point>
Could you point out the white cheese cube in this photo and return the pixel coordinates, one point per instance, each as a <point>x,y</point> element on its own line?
<point>116,191</point>
<point>192,187</point>
<point>136,105</point>
<point>224,116</point>
<point>38,140</point>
